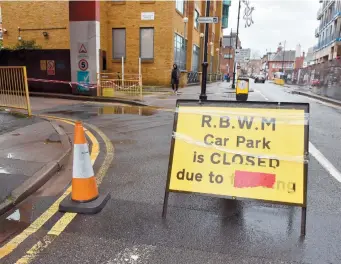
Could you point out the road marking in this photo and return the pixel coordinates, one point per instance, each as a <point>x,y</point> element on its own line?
<point>66,219</point>
<point>41,220</point>
<point>267,99</point>
<point>324,162</point>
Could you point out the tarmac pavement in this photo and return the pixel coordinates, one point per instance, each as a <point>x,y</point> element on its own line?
<point>198,229</point>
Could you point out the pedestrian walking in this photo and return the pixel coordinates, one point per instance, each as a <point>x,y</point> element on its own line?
<point>175,77</point>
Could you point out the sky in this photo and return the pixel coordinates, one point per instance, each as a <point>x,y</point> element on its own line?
<point>275,21</point>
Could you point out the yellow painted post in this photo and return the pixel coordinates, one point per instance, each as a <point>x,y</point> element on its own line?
<point>26,92</point>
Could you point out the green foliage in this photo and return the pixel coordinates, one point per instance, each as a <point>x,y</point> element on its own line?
<point>1,44</point>
<point>26,44</point>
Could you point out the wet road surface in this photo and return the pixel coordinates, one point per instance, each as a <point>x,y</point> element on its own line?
<point>198,229</point>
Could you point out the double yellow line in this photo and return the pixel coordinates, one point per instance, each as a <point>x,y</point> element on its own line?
<point>66,219</point>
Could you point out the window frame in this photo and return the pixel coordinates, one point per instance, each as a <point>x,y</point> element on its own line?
<point>125,43</point>
<point>196,23</point>
<point>196,47</point>
<point>183,6</point>
<point>146,59</point>
<point>182,50</point>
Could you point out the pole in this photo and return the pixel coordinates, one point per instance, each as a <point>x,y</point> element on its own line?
<point>230,53</point>
<point>234,66</point>
<point>122,72</point>
<point>283,57</point>
<point>203,96</point>
<point>185,45</point>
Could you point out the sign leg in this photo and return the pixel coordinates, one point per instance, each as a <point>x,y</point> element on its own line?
<point>303,220</point>
<point>165,205</point>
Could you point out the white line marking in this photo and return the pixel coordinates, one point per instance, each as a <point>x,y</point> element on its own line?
<point>324,162</point>
<point>267,99</point>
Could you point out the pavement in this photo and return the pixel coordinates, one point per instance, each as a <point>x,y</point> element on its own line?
<point>198,229</point>
<point>306,91</point>
<point>31,151</point>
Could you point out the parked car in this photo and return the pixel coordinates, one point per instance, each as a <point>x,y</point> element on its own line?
<point>259,79</point>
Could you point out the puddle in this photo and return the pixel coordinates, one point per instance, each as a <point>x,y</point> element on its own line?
<point>16,222</point>
<point>127,110</point>
<point>3,170</point>
<point>78,113</point>
<point>107,110</point>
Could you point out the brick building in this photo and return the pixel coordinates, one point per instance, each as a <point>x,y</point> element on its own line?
<point>152,30</point>
<point>227,53</point>
<point>280,61</point>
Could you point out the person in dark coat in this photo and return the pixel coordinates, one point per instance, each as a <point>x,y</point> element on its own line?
<point>175,77</point>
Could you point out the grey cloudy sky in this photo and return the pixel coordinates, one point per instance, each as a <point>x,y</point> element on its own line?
<point>275,21</point>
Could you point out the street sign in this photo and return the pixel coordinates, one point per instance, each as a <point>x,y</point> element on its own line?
<point>249,150</point>
<point>208,20</point>
<point>242,55</point>
<point>51,68</point>
<point>82,50</point>
<point>83,80</point>
<point>83,64</point>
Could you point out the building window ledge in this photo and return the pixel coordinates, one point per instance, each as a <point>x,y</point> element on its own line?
<point>117,60</point>
<point>147,2</point>
<point>118,2</point>
<point>181,14</point>
<point>147,60</point>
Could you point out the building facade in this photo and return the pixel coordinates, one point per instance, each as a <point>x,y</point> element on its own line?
<point>228,52</point>
<point>329,31</point>
<point>281,61</point>
<point>159,32</point>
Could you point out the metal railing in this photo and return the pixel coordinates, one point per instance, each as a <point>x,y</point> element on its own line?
<point>14,88</point>
<point>193,77</point>
<point>118,85</point>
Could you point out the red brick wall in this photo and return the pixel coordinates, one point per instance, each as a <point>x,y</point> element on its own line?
<point>224,62</point>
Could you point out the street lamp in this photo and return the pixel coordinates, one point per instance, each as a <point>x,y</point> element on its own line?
<point>185,19</point>
<point>218,70</point>
<point>283,56</point>
<point>248,22</point>
<point>202,47</point>
<point>203,96</point>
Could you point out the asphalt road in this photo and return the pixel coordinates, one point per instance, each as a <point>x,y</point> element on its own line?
<point>198,229</point>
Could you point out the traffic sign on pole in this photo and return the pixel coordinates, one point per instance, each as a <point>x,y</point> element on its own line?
<point>208,20</point>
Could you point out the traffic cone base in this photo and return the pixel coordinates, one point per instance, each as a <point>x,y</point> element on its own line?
<point>92,207</point>
<point>84,195</point>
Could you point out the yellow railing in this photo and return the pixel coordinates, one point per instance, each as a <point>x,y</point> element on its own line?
<point>14,88</point>
<point>115,85</point>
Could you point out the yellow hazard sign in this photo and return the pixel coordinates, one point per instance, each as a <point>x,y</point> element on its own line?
<point>247,150</point>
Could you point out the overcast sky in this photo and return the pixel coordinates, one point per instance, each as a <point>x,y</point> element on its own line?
<point>275,21</point>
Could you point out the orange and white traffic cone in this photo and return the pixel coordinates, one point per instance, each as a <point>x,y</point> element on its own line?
<point>84,196</point>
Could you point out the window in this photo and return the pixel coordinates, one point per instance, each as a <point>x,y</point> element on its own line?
<point>195,60</point>
<point>118,43</point>
<point>179,52</point>
<point>196,16</point>
<point>147,43</point>
<point>180,5</point>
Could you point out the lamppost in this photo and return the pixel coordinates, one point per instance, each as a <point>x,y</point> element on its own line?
<point>202,48</point>
<point>185,19</point>
<point>203,96</point>
<point>283,57</point>
<point>248,22</point>
<point>218,60</point>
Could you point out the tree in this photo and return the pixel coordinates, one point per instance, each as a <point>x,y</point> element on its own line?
<point>1,44</point>
<point>26,44</point>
